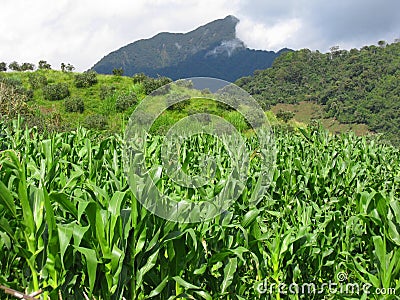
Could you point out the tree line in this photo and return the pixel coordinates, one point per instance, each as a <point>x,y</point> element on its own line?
<point>42,65</point>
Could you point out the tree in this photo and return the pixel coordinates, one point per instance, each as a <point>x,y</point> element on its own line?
<point>118,72</point>
<point>67,68</point>
<point>27,67</point>
<point>285,116</point>
<point>3,67</point>
<point>43,65</point>
<point>14,66</point>
<point>70,68</point>
<point>382,43</point>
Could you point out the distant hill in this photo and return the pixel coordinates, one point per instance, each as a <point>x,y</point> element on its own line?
<point>211,50</point>
<point>360,86</point>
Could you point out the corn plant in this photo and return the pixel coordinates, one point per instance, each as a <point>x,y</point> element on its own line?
<point>71,226</point>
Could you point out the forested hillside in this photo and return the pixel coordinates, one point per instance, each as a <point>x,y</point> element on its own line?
<point>356,86</point>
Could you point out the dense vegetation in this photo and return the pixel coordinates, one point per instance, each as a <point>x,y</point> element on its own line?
<point>356,86</point>
<point>70,225</point>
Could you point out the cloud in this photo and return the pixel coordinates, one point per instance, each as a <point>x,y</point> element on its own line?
<point>260,36</point>
<point>82,32</point>
<point>318,24</point>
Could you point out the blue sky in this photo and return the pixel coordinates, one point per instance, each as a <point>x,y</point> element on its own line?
<point>82,32</point>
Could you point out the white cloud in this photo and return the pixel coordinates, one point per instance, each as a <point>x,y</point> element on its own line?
<point>260,36</point>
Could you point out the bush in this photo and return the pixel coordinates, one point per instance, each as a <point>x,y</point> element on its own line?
<point>96,122</point>
<point>57,91</point>
<point>107,91</point>
<point>285,116</point>
<point>151,84</point>
<point>37,80</point>
<point>125,101</point>
<point>85,79</point>
<point>139,78</point>
<point>118,72</point>
<point>17,86</point>
<point>177,106</point>
<point>74,104</point>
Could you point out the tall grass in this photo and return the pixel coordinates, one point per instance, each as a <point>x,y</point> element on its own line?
<point>70,225</point>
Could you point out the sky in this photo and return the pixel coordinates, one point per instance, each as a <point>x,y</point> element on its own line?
<point>82,32</point>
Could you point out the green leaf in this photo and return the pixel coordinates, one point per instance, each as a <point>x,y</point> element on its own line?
<point>7,199</point>
<point>91,265</point>
<point>159,288</point>
<point>229,272</point>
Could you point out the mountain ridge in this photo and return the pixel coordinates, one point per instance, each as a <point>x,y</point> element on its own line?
<point>211,50</point>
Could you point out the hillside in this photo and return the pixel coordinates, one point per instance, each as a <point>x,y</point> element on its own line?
<point>103,102</point>
<point>359,86</point>
<point>211,50</point>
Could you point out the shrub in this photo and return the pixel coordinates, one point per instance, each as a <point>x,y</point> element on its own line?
<point>37,80</point>
<point>56,91</point>
<point>179,106</point>
<point>285,116</point>
<point>185,83</point>
<point>124,101</point>
<point>118,72</point>
<point>151,84</point>
<point>139,78</point>
<point>85,79</point>
<point>96,122</point>
<point>74,104</point>
<point>107,91</point>
<point>16,84</point>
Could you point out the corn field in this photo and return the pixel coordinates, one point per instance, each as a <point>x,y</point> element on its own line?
<point>71,228</point>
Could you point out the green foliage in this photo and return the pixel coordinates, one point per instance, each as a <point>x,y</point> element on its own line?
<point>56,91</point>
<point>12,102</point>
<point>125,101</point>
<point>67,67</point>
<point>139,78</point>
<point>285,115</point>
<point>152,84</point>
<point>356,86</point>
<point>98,122</point>
<point>85,79</point>
<point>107,91</point>
<point>74,104</point>
<point>3,67</point>
<point>118,72</point>
<point>71,226</point>
<point>37,80</point>
<point>14,66</point>
<point>16,85</point>
<point>44,65</point>
<point>27,67</point>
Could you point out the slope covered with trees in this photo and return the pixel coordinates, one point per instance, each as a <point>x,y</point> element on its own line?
<point>356,86</point>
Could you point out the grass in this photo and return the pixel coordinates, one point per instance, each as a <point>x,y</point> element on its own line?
<point>305,111</point>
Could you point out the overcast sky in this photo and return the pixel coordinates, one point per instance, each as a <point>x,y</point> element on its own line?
<point>82,32</point>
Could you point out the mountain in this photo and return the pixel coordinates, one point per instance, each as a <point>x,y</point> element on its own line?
<point>212,50</point>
